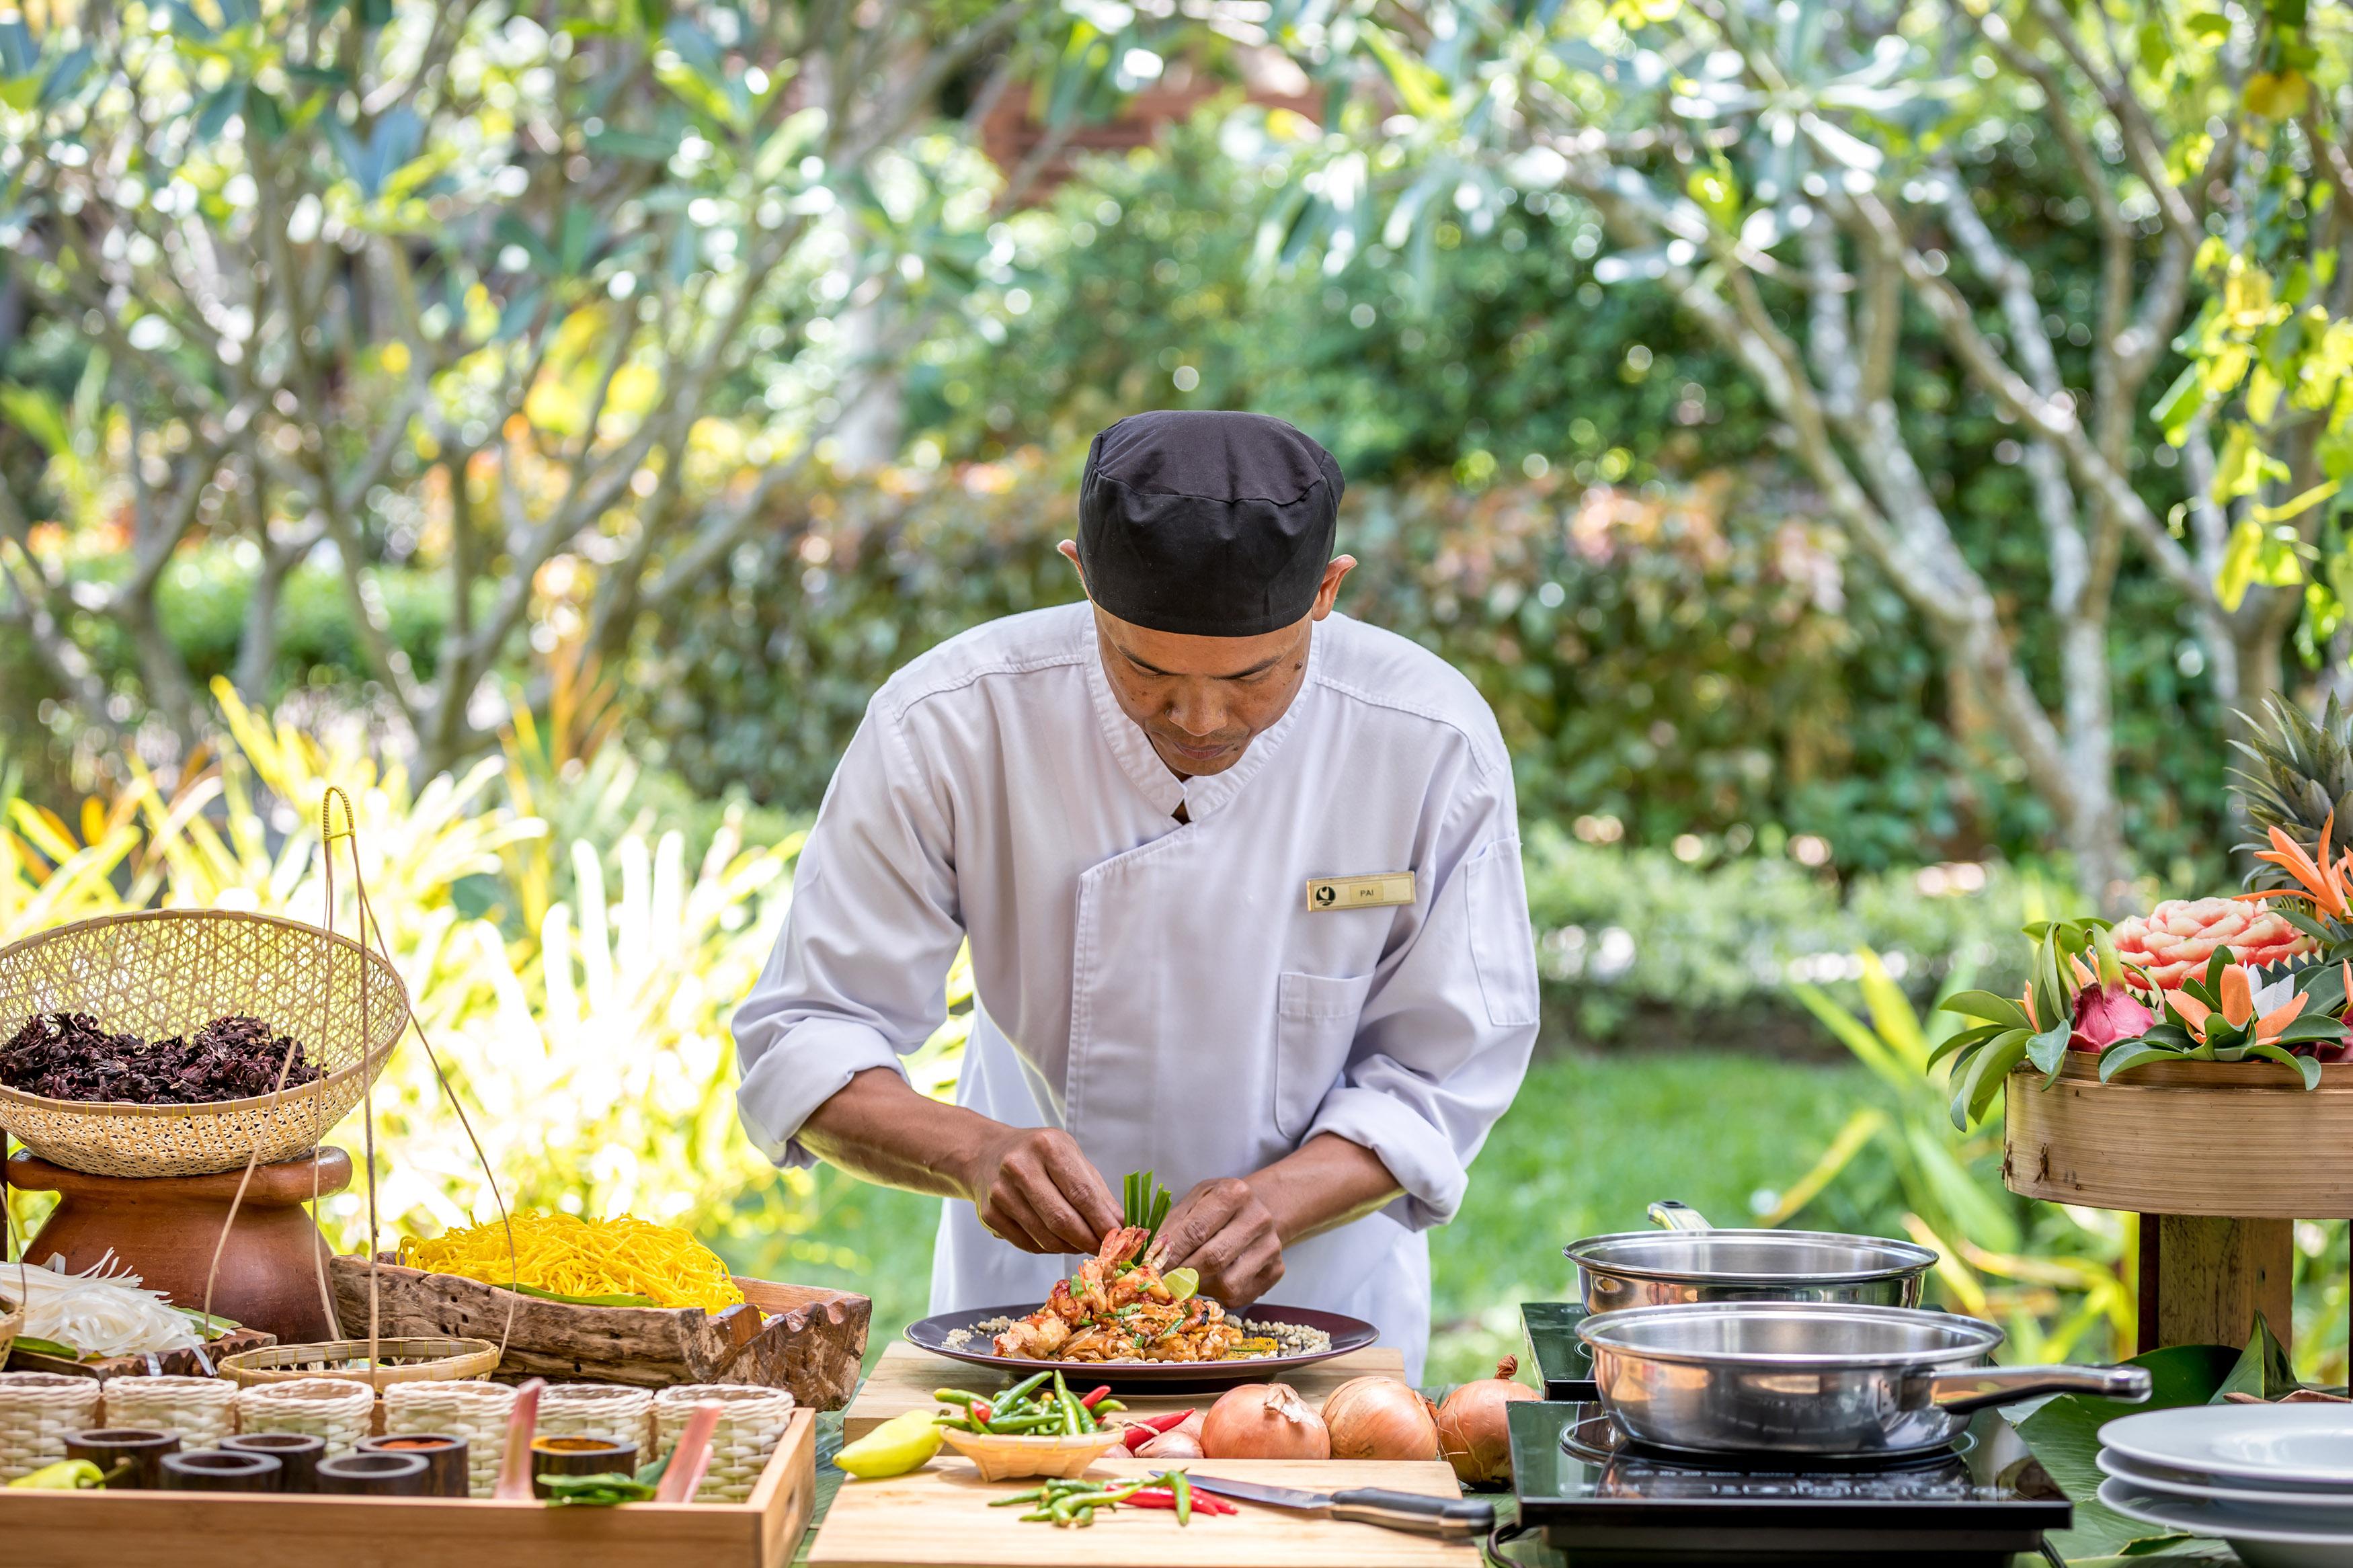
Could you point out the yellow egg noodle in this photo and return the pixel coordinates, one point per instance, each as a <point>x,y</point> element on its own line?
<point>568,1256</point>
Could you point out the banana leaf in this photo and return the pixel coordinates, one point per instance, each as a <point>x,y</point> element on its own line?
<point>2063,1433</point>
<point>535,1293</point>
<point>47,1347</point>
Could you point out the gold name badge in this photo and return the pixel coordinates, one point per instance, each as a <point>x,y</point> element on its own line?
<point>1360,892</point>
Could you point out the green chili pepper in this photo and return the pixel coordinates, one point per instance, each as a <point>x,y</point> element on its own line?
<point>1182,1485</point>
<point>1019,1390</point>
<point>954,1397</point>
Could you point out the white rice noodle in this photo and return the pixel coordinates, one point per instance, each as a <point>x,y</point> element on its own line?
<point>101,1312</point>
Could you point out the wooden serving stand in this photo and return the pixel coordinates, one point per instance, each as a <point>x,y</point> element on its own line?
<point>164,1229</point>
<point>237,1529</point>
<point>803,1337</point>
<point>2218,1159</point>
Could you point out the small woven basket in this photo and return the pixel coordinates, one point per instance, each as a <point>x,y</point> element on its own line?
<point>37,1411</point>
<point>752,1421</point>
<point>477,1412</point>
<point>333,1408</point>
<point>160,972</point>
<point>597,1410</point>
<point>201,1410</point>
<point>418,1359</point>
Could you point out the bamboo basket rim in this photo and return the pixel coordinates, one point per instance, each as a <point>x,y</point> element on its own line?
<point>436,1358</point>
<point>369,959</point>
<point>2082,1068</point>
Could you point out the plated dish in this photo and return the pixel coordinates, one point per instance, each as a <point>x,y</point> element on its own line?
<point>1302,1336</point>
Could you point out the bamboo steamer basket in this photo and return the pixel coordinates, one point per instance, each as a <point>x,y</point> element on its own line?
<point>201,1410</point>
<point>752,1421</point>
<point>333,1408</point>
<point>37,1411</point>
<point>611,1410</point>
<point>477,1412</point>
<point>2232,1139</point>
<point>160,972</point>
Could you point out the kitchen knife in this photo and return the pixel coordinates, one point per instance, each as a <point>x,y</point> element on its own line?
<point>1456,1519</point>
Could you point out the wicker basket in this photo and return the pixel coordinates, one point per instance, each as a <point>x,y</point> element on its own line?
<point>333,1408</point>
<point>477,1412</point>
<point>751,1422</point>
<point>597,1410</point>
<point>398,1360</point>
<point>201,1410</point>
<point>161,973</point>
<point>37,1410</point>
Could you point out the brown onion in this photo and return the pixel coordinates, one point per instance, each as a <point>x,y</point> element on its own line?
<point>1380,1419</point>
<point>1474,1428</point>
<point>1264,1421</point>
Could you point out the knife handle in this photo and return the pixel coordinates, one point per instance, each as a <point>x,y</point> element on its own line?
<point>1456,1519</point>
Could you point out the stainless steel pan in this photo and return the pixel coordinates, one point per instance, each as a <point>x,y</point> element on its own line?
<point>1812,1377</point>
<point>1691,1261</point>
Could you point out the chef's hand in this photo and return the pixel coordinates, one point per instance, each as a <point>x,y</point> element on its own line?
<point>1224,1231</point>
<point>1032,1187</point>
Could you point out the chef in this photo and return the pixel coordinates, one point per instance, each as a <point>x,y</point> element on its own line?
<point>1241,881</point>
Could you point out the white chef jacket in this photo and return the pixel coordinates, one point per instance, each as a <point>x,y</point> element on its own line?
<point>1163,991</point>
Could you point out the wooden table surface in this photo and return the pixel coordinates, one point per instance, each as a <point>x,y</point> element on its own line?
<point>903,1378</point>
<point>940,1517</point>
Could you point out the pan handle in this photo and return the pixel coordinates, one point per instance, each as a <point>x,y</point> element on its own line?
<point>1675,1216</point>
<point>1974,1388</point>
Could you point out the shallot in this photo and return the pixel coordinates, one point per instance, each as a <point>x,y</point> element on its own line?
<point>1174,1444</point>
<point>1380,1419</point>
<point>1474,1429</point>
<point>1264,1421</point>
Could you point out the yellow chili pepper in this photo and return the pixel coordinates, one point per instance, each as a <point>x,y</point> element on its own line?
<point>65,1475</point>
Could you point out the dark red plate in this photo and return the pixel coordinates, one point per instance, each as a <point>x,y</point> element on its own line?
<point>1154,1377</point>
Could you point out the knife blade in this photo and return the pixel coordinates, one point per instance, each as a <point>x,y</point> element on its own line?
<point>1454,1519</point>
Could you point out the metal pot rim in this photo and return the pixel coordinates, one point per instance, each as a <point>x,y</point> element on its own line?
<point>1918,1259</point>
<point>1596,1333</point>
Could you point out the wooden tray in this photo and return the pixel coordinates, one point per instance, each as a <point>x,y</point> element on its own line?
<point>796,1337</point>
<point>939,1517</point>
<point>2242,1140</point>
<point>175,1363</point>
<point>903,1378</point>
<point>197,1530</point>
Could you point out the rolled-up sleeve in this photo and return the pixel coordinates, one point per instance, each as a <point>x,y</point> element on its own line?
<point>1443,1039</point>
<point>857,978</point>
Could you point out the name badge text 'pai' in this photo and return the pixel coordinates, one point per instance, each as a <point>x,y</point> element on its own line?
<point>1360,892</point>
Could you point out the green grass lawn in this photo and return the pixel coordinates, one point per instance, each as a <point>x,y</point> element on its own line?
<point>1590,1141</point>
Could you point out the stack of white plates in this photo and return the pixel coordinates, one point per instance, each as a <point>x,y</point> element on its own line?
<point>2274,1481</point>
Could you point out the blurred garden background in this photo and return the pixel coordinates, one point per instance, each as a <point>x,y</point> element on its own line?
<point>1869,453</point>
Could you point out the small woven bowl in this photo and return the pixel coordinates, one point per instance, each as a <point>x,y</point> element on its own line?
<point>1020,1459</point>
<point>200,1409</point>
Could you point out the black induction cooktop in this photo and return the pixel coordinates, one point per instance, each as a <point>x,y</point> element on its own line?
<point>1603,1501</point>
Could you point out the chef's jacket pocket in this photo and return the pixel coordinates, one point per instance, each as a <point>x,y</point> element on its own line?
<point>1315,1026</point>
<point>1502,945</point>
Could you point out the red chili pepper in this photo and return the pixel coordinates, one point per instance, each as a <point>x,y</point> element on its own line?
<point>1089,1400</point>
<point>1145,1428</point>
<point>980,1411</point>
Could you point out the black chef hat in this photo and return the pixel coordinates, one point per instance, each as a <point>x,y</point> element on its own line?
<point>1207,523</point>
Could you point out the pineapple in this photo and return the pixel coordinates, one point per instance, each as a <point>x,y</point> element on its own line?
<point>2300,772</point>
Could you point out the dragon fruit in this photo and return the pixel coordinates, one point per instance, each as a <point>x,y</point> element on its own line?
<point>2172,941</point>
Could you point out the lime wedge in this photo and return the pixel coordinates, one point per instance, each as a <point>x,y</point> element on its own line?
<point>1182,1282</point>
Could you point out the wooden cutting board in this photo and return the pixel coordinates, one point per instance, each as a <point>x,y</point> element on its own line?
<point>903,1378</point>
<point>939,1517</point>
